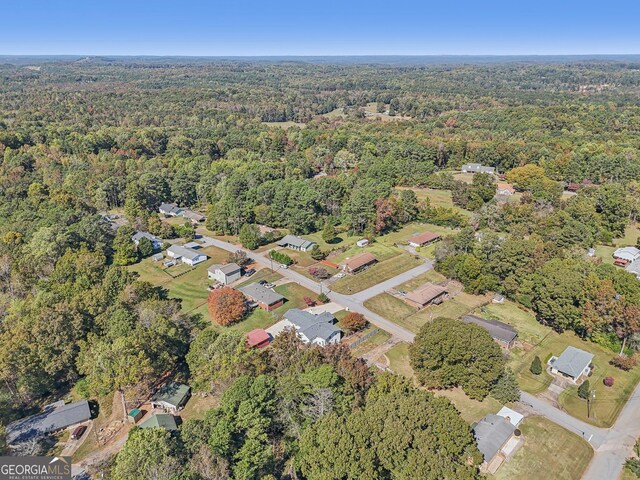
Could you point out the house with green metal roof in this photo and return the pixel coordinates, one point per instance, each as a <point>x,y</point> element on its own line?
<point>160,420</point>
<point>171,397</point>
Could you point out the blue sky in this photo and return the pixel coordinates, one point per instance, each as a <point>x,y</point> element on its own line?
<point>309,27</point>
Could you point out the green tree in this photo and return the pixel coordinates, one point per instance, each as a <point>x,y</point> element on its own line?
<point>584,390</point>
<point>448,353</point>
<point>147,453</point>
<point>536,366</point>
<point>145,247</point>
<point>328,231</point>
<point>506,388</point>
<point>250,236</point>
<point>124,250</point>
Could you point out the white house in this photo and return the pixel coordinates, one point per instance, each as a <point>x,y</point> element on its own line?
<point>155,241</point>
<point>186,255</point>
<point>224,274</point>
<point>317,329</point>
<point>296,243</point>
<point>477,168</point>
<point>630,254</point>
<point>573,363</point>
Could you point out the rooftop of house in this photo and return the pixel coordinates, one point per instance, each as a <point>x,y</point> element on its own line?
<point>140,235</point>
<point>573,361</point>
<point>294,241</point>
<point>261,294</point>
<point>169,207</point>
<point>48,421</point>
<point>160,420</point>
<point>190,214</point>
<point>227,269</point>
<point>172,393</point>
<point>311,325</point>
<point>505,186</point>
<point>491,433</point>
<point>183,251</point>
<point>257,337</point>
<point>424,237</point>
<point>496,329</point>
<point>359,260</point>
<point>627,253</point>
<point>425,293</point>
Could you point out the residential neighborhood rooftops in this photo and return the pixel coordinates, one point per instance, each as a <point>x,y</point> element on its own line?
<point>312,326</point>
<point>172,393</point>
<point>359,261</point>
<point>491,433</point>
<point>227,268</point>
<point>191,215</point>
<point>425,293</point>
<point>514,417</point>
<point>160,420</point>
<point>498,330</point>
<point>477,168</point>
<point>261,294</point>
<point>424,237</point>
<point>49,421</point>
<point>139,235</point>
<point>296,242</point>
<point>573,361</point>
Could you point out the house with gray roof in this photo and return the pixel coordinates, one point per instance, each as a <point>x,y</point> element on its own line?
<point>171,397</point>
<point>573,363</point>
<point>296,243</point>
<point>186,255</point>
<point>155,241</point>
<point>225,274</point>
<point>319,329</point>
<point>195,217</point>
<point>502,333</point>
<point>49,421</point>
<point>477,168</point>
<point>160,420</point>
<point>497,440</point>
<point>263,297</point>
<point>170,209</point>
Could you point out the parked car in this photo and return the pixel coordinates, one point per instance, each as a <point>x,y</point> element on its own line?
<point>270,285</point>
<point>262,282</point>
<point>283,266</point>
<point>78,432</point>
<point>249,272</point>
<point>341,275</point>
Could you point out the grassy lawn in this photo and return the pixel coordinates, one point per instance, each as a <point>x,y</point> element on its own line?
<point>631,234</point>
<point>403,235</point>
<point>197,406</point>
<point>399,360</point>
<point>438,198</point>
<point>394,309</point>
<point>627,475</point>
<point>430,276</point>
<point>381,250</point>
<point>470,410</point>
<point>375,274</point>
<point>545,342</point>
<point>605,253</point>
<point>305,270</point>
<point>370,343</point>
<point>549,451</point>
<point>264,274</point>
<point>342,240</point>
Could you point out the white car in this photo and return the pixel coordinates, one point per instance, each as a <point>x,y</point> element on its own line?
<point>283,266</point>
<point>341,275</point>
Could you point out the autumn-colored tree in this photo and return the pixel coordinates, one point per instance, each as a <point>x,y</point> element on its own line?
<point>385,213</point>
<point>226,305</point>
<point>353,322</point>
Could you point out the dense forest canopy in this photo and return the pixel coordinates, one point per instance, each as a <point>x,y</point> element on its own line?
<point>80,138</point>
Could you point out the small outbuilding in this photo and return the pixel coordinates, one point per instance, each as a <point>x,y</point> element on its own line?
<point>362,243</point>
<point>134,415</point>
<point>160,420</point>
<point>258,338</point>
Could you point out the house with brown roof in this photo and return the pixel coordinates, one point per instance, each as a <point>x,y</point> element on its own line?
<point>425,295</point>
<point>357,263</point>
<point>505,189</point>
<point>424,238</point>
<point>258,338</point>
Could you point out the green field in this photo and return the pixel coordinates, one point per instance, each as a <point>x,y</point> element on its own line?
<point>437,198</point>
<point>370,343</point>
<point>403,235</point>
<point>375,274</point>
<point>394,309</point>
<point>399,360</point>
<point>549,451</point>
<point>470,410</point>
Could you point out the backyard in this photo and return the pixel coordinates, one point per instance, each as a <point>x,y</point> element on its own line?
<point>381,271</point>
<point>549,451</point>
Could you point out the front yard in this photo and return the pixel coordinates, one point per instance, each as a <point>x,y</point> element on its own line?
<point>549,451</point>
<point>381,271</point>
